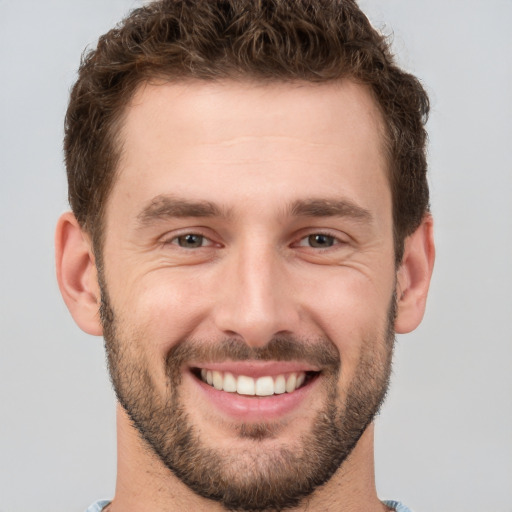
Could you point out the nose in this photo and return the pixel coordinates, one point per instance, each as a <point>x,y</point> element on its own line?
<point>257,299</point>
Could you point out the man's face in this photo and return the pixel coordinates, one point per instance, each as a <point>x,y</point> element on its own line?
<point>248,283</point>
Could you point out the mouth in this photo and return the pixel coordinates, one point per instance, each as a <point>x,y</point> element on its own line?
<point>257,386</point>
<point>255,391</point>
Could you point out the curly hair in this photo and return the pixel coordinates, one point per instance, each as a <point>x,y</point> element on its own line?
<point>259,40</point>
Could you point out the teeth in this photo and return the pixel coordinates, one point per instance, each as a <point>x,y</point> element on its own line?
<point>263,386</point>
<point>245,385</point>
<point>229,383</point>
<point>291,383</point>
<point>218,381</point>
<point>280,385</point>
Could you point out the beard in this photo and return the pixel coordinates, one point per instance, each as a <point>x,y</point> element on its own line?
<point>259,478</point>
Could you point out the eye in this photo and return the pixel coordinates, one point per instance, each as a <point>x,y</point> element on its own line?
<point>190,241</point>
<point>318,241</point>
<point>321,241</point>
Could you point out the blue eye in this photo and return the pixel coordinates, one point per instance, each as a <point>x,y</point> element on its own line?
<point>190,241</point>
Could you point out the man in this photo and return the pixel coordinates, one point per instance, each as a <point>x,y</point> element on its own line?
<point>250,228</point>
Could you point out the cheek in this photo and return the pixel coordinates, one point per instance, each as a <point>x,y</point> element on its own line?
<point>165,311</point>
<point>151,316</point>
<point>351,310</point>
<point>164,308</point>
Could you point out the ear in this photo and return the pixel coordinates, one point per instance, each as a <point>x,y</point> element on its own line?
<point>413,277</point>
<point>77,274</point>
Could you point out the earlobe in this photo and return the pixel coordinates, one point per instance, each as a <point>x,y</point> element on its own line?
<point>77,274</point>
<point>413,277</point>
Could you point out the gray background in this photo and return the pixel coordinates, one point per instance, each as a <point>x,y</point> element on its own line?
<point>444,438</point>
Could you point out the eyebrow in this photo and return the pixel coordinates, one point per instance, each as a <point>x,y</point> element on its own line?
<point>330,208</point>
<point>165,207</point>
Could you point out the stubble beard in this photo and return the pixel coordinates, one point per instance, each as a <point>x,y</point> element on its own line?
<point>258,479</point>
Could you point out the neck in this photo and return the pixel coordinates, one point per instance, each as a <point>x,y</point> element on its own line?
<point>144,484</point>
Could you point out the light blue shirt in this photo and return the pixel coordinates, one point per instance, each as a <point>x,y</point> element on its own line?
<point>395,505</point>
<point>98,506</point>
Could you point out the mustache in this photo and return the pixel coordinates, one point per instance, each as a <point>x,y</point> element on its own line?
<point>320,352</point>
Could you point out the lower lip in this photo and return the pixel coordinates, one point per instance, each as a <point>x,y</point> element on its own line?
<point>255,408</point>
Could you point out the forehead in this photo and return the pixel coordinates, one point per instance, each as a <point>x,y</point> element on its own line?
<point>212,139</point>
<point>218,110</point>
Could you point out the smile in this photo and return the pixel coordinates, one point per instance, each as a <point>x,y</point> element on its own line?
<point>266,385</point>
<point>262,386</point>
<point>255,391</point>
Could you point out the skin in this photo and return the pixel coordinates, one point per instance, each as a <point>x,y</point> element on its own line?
<point>252,150</point>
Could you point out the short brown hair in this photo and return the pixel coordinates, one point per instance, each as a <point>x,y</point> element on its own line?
<point>263,40</point>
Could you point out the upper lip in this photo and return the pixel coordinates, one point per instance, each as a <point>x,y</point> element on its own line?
<point>257,369</point>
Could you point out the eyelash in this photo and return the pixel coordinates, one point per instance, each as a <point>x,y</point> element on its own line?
<point>331,241</point>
